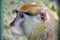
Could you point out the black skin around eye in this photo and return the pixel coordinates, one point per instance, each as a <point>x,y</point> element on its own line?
<point>22,16</point>
<point>28,13</point>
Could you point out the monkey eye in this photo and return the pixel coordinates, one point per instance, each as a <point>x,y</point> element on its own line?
<point>21,15</point>
<point>42,13</point>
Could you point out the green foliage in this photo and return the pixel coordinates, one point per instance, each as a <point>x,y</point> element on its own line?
<point>23,38</point>
<point>6,38</point>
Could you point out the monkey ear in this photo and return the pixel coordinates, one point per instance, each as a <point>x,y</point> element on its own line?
<point>42,13</point>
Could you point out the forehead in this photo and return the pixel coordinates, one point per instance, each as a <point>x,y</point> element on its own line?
<point>32,8</point>
<point>27,6</point>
